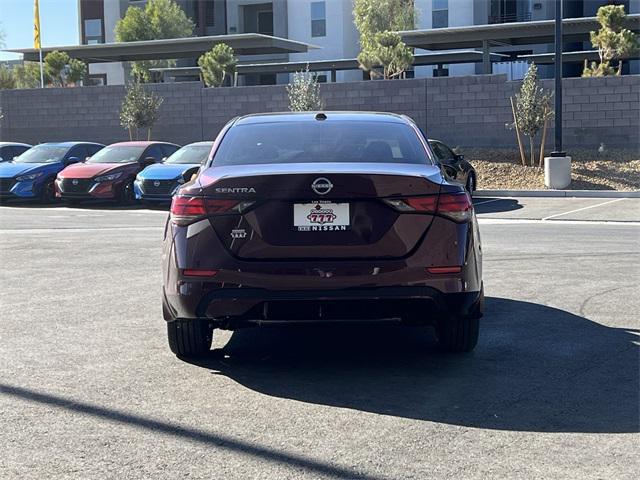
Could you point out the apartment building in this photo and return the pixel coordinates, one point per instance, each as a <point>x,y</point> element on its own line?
<point>328,24</point>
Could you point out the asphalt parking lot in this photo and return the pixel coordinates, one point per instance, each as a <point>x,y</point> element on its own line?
<point>89,389</point>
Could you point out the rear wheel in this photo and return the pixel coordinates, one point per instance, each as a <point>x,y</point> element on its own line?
<point>189,338</point>
<point>457,333</point>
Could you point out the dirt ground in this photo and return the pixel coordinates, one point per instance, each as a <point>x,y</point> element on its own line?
<point>610,170</point>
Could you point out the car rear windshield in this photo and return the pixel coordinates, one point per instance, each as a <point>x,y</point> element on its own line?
<point>305,142</point>
<point>42,154</point>
<point>119,154</point>
<point>190,154</point>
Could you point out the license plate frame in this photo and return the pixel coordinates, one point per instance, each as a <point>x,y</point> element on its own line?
<point>321,216</point>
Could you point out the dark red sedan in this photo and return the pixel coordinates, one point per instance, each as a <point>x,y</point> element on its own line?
<point>321,217</point>
<point>109,174</point>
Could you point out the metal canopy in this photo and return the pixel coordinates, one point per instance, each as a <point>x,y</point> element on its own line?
<point>505,34</point>
<point>567,57</point>
<point>436,58</point>
<point>191,47</point>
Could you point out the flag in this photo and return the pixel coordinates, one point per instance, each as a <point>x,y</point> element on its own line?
<point>36,26</point>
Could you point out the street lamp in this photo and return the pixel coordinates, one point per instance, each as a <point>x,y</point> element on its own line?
<point>557,167</point>
<point>558,82</point>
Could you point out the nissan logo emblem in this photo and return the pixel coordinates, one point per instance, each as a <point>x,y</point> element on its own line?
<point>321,186</point>
<point>74,181</point>
<point>156,183</point>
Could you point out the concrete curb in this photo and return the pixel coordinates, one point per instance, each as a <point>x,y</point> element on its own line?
<point>557,193</point>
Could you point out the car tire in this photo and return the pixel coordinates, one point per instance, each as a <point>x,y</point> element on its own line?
<point>127,195</point>
<point>471,184</point>
<point>189,338</point>
<point>458,333</point>
<point>48,193</point>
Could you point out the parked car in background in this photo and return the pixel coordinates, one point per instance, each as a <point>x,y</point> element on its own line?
<point>454,165</point>
<point>158,182</point>
<point>321,217</point>
<point>109,174</point>
<point>31,175</point>
<point>9,150</point>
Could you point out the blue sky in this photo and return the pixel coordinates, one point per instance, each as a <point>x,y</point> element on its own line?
<point>58,22</point>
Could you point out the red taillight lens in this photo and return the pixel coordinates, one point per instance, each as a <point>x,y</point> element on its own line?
<point>199,273</point>
<point>185,210</point>
<point>442,270</point>
<point>456,206</point>
<point>187,207</point>
<point>423,204</point>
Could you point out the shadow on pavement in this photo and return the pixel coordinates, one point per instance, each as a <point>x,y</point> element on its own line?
<point>491,205</point>
<point>219,441</point>
<point>536,368</point>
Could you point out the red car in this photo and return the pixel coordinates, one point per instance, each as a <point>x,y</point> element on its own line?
<point>109,174</point>
<point>321,217</point>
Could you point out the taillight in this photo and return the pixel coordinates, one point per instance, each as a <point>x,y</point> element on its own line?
<point>456,206</point>
<point>444,270</point>
<point>199,273</point>
<point>186,210</point>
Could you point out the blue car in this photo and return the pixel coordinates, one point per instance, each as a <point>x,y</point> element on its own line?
<point>10,150</point>
<point>158,182</point>
<point>31,174</point>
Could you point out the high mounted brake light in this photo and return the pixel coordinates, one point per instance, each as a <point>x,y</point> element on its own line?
<point>186,210</point>
<point>455,206</point>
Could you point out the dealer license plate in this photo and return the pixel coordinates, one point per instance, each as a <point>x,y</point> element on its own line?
<point>320,216</point>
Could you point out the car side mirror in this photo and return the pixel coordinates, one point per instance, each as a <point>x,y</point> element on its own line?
<point>147,161</point>
<point>190,175</point>
<point>71,160</point>
<point>163,159</point>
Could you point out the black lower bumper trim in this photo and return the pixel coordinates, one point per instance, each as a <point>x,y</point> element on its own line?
<point>462,302</point>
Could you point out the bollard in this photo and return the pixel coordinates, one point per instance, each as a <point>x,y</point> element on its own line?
<point>557,172</point>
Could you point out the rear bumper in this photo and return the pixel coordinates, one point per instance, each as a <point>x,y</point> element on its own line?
<point>231,306</point>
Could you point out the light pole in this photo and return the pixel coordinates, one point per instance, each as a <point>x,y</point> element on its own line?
<point>558,83</point>
<point>557,167</point>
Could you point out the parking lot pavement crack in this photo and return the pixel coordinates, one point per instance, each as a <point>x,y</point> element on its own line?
<point>586,301</point>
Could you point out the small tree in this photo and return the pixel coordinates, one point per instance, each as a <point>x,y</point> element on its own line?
<point>54,64</point>
<point>159,19</point>
<point>391,53</point>
<point>27,75</point>
<point>304,92</point>
<point>140,109</point>
<point>613,42</point>
<point>216,64</point>
<point>532,109</point>
<point>375,20</point>
<point>77,69</point>
<point>7,80</point>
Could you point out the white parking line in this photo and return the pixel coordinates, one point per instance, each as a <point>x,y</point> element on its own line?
<point>521,221</point>
<point>489,201</point>
<point>583,208</point>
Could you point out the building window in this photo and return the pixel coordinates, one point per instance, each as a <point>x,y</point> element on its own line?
<point>318,19</point>
<point>265,22</point>
<point>209,14</point>
<point>93,31</point>
<point>440,14</point>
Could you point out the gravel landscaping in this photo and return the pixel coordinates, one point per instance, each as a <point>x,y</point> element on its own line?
<point>611,170</point>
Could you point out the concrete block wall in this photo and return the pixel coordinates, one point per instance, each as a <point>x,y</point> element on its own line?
<point>462,111</point>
